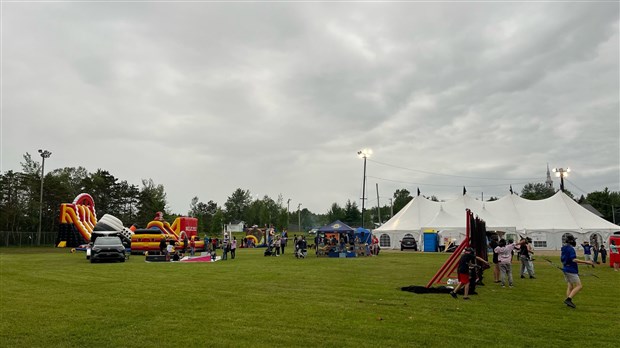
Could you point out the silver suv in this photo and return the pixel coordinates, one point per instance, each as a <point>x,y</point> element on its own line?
<point>107,248</point>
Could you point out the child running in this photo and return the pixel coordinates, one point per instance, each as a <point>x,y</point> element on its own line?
<point>467,260</point>
<point>571,272</point>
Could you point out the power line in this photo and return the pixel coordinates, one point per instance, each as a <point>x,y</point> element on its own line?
<point>440,185</point>
<point>577,187</point>
<point>450,175</point>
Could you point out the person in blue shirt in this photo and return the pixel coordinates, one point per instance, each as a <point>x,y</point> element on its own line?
<point>571,271</point>
<point>587,251</point>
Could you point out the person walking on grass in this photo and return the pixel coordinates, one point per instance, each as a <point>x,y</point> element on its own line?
<point>277,244</point>
<point>185,242</point>
<point>225,247</point>
<point>233,248</point>
<point>613,250</point>
<point>283,241</point>
<point>525,252</point>
<point>494,245</point>
<point>595,248</point>
<point>467,260</point>
<point>587,251</point>
<point>571,271</point>
<point>603,252</point>
<point>192,246</point>
<point>505,260</point>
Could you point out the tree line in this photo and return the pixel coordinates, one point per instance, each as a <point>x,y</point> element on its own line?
<point>133,204</point>
<point>20,196</point>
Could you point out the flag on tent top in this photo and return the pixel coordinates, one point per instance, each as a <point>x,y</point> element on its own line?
<point>464,191</point>
<point>418,191</point>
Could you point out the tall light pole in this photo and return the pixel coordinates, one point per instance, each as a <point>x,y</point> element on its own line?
<point>44,154</point>
<point>299,216</point>
<point>378,208</point>
<point>561,173</point>
<point>288,209</point>
<point>364,153</point>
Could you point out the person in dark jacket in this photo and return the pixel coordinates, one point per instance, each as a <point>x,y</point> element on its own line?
<point>467,260</point>
<point>162,246</point>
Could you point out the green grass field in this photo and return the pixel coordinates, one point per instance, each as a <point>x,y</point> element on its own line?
<point>51,298</point>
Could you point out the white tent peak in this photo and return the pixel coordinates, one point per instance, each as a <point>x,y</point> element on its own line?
<point>547,219</point>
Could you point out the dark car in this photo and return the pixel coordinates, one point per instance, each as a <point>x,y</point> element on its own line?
<point>107,248</point>
<point>408,243</point>
<point>451,248</point>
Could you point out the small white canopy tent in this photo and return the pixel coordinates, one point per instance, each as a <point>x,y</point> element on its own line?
<point>546,221</point>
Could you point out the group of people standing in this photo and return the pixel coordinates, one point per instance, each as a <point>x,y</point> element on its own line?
<point>168,247</point>
<point>588,250</point>
<point>227,245</point>
<point>504,250</point>
<point>277,245</point>
<point>346,243</point>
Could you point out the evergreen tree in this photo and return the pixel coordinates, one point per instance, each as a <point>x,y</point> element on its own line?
<point>152,200</point>
<point>352,215</point>
<point>336,213</point>
<point>237,205</point>
<point>607,203</point>
<point>536,191</point>
<point>401,198</point>
<point>218,223</point>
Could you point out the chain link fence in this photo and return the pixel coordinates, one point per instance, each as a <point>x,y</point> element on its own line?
<point>27,238</point>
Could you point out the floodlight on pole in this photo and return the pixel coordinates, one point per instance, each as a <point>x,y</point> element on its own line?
<point>44,154</point>
<point>364,153</point>
<point>561,173</point>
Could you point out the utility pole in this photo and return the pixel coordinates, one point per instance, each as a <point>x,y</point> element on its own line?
<point>44,154</point>
<point>391,207</point>
<point>365,153</point>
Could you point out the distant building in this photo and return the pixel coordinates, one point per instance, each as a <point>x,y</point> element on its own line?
<point>235,226</point>
<point>549,182</point>
<point>592,209</point>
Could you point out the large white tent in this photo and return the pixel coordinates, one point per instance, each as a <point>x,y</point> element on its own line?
<point>546,221</point>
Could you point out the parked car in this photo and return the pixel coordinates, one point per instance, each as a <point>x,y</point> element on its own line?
<point>107,248</point>
<point>408,243</point>
<point>313,231</point>
<point>451,248</point>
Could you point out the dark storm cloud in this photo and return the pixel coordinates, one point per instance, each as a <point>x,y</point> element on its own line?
<point>278,97</point>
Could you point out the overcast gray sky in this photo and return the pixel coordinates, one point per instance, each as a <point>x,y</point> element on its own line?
<point>277,97</point>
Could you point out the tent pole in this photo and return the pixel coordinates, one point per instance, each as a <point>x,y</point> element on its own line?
<point>378,207</point>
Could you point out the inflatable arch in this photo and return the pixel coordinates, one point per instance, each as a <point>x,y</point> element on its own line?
<point>249,236</point>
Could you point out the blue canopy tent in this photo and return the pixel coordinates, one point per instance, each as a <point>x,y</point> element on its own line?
<point>364,235</point>
<point>337,229</point>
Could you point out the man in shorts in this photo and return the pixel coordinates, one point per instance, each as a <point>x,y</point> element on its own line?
<point>468,259</point>
<point>571,272</point>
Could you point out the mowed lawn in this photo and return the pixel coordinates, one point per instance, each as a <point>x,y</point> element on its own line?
<point>50,297</point>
